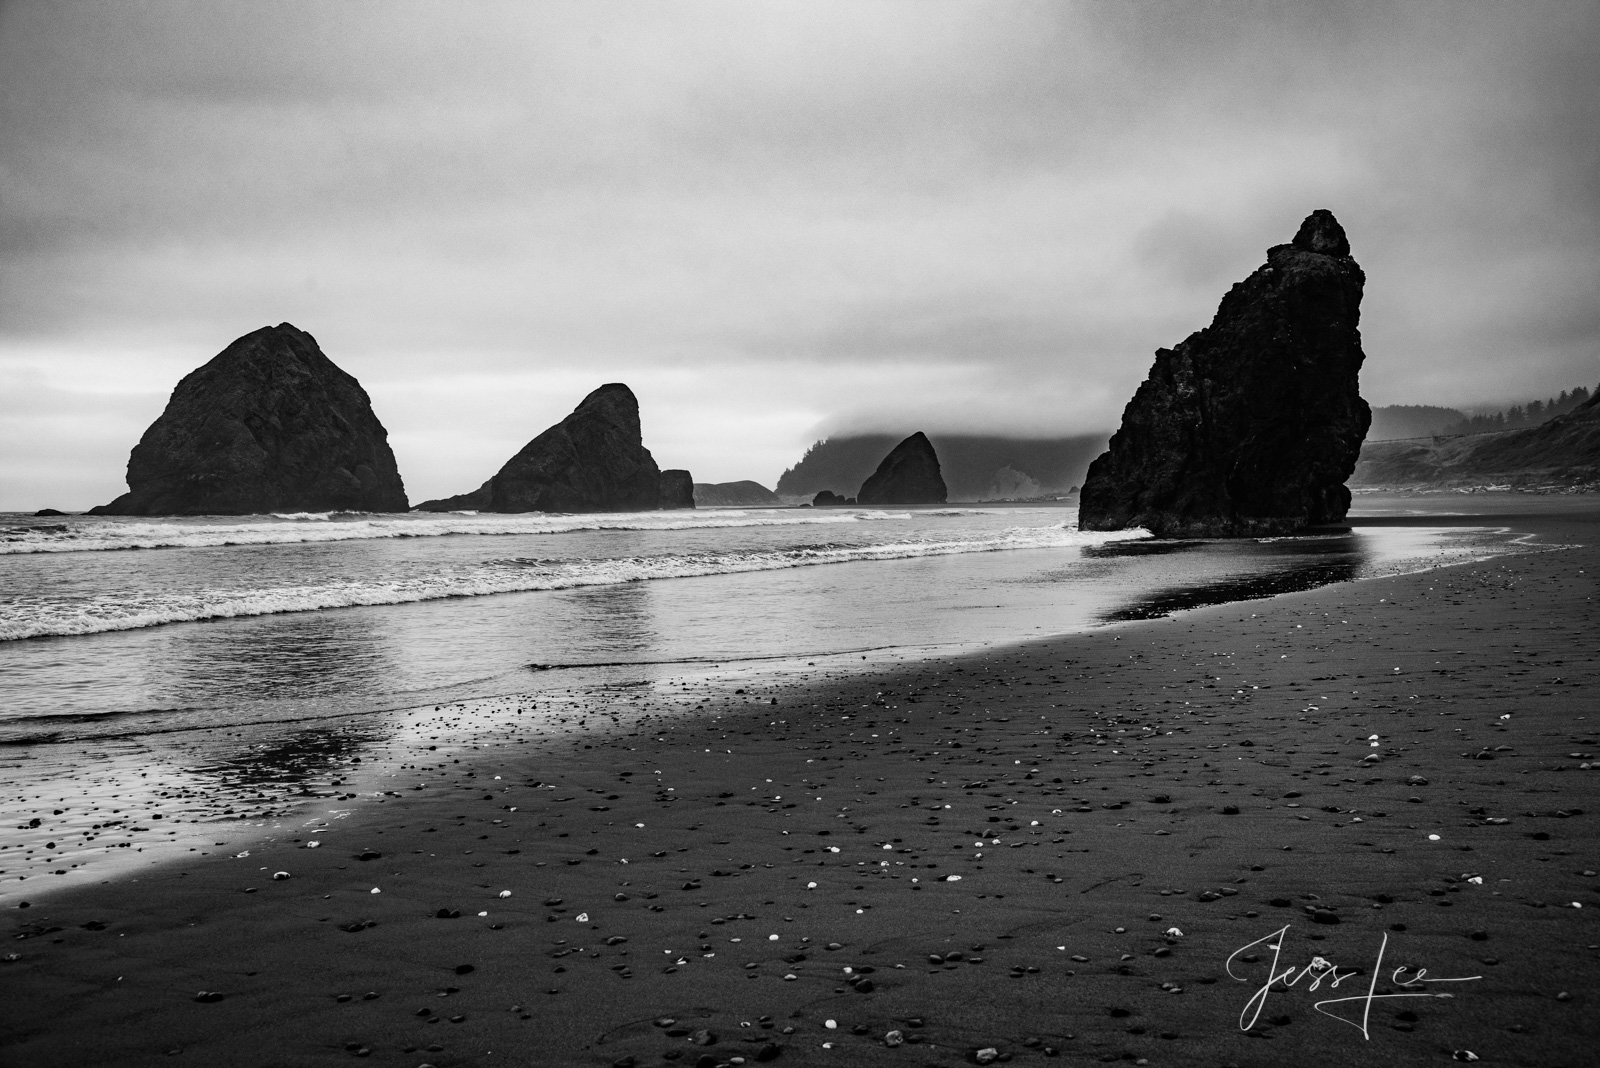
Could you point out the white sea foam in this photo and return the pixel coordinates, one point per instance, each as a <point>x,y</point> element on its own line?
<point>91,533</point>
<point>31,617</point>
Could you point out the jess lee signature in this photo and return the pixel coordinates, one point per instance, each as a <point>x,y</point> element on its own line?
<point>1410,982</point>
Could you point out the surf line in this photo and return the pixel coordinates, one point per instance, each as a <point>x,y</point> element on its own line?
<point>1320,970</point>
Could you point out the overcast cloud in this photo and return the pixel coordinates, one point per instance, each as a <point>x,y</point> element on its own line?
<point>771,220</point>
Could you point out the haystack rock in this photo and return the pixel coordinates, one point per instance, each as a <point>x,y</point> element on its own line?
<point>1252,425</point>
<point>830,499</point>
<point>594,460</point>
<point>270,424</point>
<point>908,475</point>
<point>676,490</point>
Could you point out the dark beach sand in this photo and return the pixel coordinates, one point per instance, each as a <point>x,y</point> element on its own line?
<point>1211,773</point>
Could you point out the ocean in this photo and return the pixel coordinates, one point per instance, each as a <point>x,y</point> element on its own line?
<point>231,674</point>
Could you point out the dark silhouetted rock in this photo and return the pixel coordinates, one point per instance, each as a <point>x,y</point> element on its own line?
<point>743,494</point>
<point>1252,425</point>
<point>830,499</point>
<point>49,512</point>
<point>676,489</point>
<point>268,425</point>
<point>908,475</point>
<point>592,461</point>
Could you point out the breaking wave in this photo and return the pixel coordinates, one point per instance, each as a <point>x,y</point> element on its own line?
<point>103,533</point>
<point>33,617</point>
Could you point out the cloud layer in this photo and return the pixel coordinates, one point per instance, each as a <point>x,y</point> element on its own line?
<point>771,220</point>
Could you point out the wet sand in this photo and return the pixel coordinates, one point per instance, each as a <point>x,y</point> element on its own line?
<point>696,891</point>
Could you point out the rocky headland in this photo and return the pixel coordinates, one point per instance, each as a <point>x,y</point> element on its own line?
<point>594,460</point>
<point>741,494</point>
<point>269,424</point>
<point>1252,425</point>
<point>908,475</point>
<point>1561,453</point>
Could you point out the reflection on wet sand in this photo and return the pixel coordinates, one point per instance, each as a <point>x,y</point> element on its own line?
<point>1151,547</point>
<point>603,621</point>
<point>320,756</point>
<point>278,657</point>
<point>1302,564</point>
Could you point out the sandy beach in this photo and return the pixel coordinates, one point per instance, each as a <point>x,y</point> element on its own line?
<point>1099,847</point>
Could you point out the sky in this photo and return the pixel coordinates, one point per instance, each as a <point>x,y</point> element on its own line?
<point>774,221</point>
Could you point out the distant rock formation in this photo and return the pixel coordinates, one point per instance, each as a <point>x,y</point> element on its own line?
<point>970,464</point>
<point>675,489</point>
<point>594,460</point>
<point>743,494</point>
<point>48,512</point>
<point>908,475</point>
<point>1563,452</point>
<point>270,424</point>
<point>1009,483</point>
<point>1394,421</point>
<point>1252,425</point>
<point>830,499</point>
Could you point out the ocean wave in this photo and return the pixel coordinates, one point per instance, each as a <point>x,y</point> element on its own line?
<point>27,617</point>
<point>101,534</point>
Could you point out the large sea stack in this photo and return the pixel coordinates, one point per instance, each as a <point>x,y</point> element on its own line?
<point>270,424</point>
<point>908,475</point>
<point>1252,425</point>
<point>594,460</point>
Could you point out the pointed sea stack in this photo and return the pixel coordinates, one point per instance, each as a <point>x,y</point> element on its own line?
<point>594,460</point>
<point>270,424</point>
<point>1252,425</point>
<point>908,475</point>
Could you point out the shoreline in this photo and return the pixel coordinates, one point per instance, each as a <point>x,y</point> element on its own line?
<point>735,860</point>
<point>249,779</point>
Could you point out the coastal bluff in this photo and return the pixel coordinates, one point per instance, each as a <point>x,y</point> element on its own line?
<point>1252,425</point>
<point>594,460</point>
<point>908,475</point>
<point>741,494</point>
<point>1560,454</point>
<point>269,424</point>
